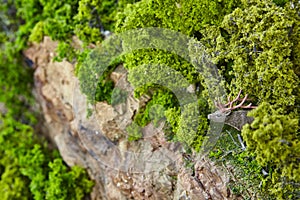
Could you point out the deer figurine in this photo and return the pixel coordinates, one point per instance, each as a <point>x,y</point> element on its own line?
<point>239,118</point>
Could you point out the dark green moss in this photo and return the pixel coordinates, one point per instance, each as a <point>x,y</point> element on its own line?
<point>160,97</point>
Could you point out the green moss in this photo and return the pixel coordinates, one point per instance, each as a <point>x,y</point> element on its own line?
<point>37,33</point>
<point>259,54</point>
<point>187,17</point>
<point>104,91</point>
<point>185,127</point>
<point>96,16</point>
<point>27,173</point>
<point>161,97</point>
<point>24,157</point>
<point>134,132</point>
<point>74,182</point>
<point>260,50</point>
<point>193,126</point>
<point>274,140</point>
<point>65,50</point>
<point>61,20</point>
<point>118,96</point>
<point>245,173</point>
<point>15,78</point>
<point>105,87</point>
<point>280,2</point>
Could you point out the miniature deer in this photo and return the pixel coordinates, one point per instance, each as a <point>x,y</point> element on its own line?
<point>225,109</point>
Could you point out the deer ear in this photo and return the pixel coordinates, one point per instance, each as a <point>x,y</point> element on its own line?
<point>228,112</point>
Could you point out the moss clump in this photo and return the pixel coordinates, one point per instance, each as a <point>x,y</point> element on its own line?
<point>187,17</point>
<point>274,140</point>
<point>104,90</point>
<point>28,169</point>
<point>134,132</point>
<point>260,52</point>
<point>161,97</point>
<point>61,20</point>
<point>246,178</point>
<point>95,17</point>
<point>15,77</point>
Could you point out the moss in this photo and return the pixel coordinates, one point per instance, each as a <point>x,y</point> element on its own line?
<point>134,132</point>
<point>188,17</point>
<point>95,17</point>
<point>260,54</point>
<point>75,182</point>
<point>15,78</point>
<point>37,33</point>
<point>160,97</point>
<point>24,157</point>
<point>280,2</point>
<point>245,173</point>
<point>61,20</point>
<point>27,174</point>
<point>260,48</point>
<point>257,53</point>
<point>118,96</point>
<point>272,137</point>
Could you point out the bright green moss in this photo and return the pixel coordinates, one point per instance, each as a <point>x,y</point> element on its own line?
<point>37,33</point>
<point>74,182</point>
<point>24,157</point>
<point>61,20</point>
<point>173,117</point>
<point>274,139</point>
<point>13,184</point>
<point>95,17</point>
<point>148,56</point>
<point>26,167</point>
<point>187,17</point>
<point>65,50</point>
<point>260,48</point>
<point>184,125</point>
<point>89,23</point>
<point>52,18</point>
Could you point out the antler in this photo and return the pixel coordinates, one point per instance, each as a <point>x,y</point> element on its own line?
<point>223,107</point>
